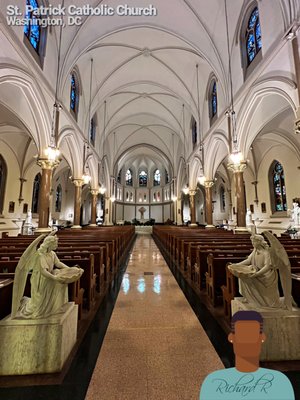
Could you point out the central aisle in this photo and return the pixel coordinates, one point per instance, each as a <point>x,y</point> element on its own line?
<point>155,347</point>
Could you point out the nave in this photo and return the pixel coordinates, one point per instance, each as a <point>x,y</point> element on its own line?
<point>154,346</point>
<point>145,342</point>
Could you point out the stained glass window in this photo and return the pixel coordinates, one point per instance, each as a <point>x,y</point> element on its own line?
<point>253,36</point>
<point>73,94</point>
<point>143,178</point>
<point>128,177</point>
<point>92,132</point>
<point>167,177</point>
<point>222,199</point>
<point>194,131</point>
<point>213,99</point>
<point>119,177</point>
<point>35,193</point>
<point>279,189</point>
<point>31,29</point>
<point>58,199</point>
<point>156,180</point>
<point>3,176</point>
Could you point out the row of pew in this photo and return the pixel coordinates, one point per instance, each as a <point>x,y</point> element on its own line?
<point>202,256</point>
<point>99,251</point>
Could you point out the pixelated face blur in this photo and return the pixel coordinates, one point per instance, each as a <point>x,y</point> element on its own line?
<point>247,338</point>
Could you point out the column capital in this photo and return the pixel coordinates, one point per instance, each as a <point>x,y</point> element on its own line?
<point>193,192</point>
<point>44,163</point>
<point>209,184</point>
<point>235,168</point>
<point>94,192</point>
<point>78,182</point>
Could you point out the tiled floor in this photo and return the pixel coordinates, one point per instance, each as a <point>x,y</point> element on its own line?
<point>154,347</point>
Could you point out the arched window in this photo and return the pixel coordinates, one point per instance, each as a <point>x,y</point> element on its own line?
<point>213,101</point>
<point>32,29</point>
<point>58,198</point>
<point>143,178</point>
<point>92,131</point>
<point>222,199</point>
<point>278,190</point>
<point>128,177</point>
<point>74,94</point>
<point>35,193</point>
<point>156,178</point>
<point>253,36</point>
<point>194,131</point>
<point>3,176</point>
<point>119,177</point>
<point>167,177</point>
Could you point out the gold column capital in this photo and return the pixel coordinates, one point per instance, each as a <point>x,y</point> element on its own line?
<point>78,182</point>
<point>44,163</point>
<point>209,184</point>
<point>94,192</point>
<point>193,192</point>
<point>235,168</point>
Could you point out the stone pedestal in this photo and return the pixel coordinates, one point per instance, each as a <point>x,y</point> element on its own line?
<point>282,329</point>
<point>37,346</point>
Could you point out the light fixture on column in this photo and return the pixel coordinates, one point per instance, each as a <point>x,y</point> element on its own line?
<point>236,158</point>
<point>102,189</point>
<point>52,152</point>
<point>85,175</point>
<point>202,180</point>
<point>185,189</point>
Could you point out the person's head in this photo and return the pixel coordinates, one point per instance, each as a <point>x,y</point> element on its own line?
<point>258,241</point>
<point>247,333</point>
<point>49,243</point>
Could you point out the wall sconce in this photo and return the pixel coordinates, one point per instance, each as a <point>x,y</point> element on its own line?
<point>202,180</point>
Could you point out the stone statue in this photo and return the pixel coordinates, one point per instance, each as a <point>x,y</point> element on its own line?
<point>28,226</point>
<point>258,278</point>
<point>248,217</point>
<point>49,281</point>
<point>296,212</point>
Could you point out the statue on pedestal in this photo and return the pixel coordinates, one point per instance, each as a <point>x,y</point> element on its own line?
<point>296,212</point>
<point>142,211</point>
<point>27,228</point>
<point>258,278</point>
<point>49,281</point>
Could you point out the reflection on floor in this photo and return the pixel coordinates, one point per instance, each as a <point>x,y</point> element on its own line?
<point>155,347</point>
<point>161,345</point>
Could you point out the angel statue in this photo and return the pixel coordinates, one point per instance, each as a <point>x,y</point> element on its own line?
<point>49,281</point>
<point>258,278</point>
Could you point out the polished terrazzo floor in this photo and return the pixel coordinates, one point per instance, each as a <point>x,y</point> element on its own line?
<point>154,347</point>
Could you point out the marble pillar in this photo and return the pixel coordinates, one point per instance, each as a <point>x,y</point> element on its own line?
<point>192,207</point>
<point>44,194</point>
<point>238,170</point>
<point>208,204</point>
<point>37,346</point>
<point>94,193</point>
<point>77,202</point>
